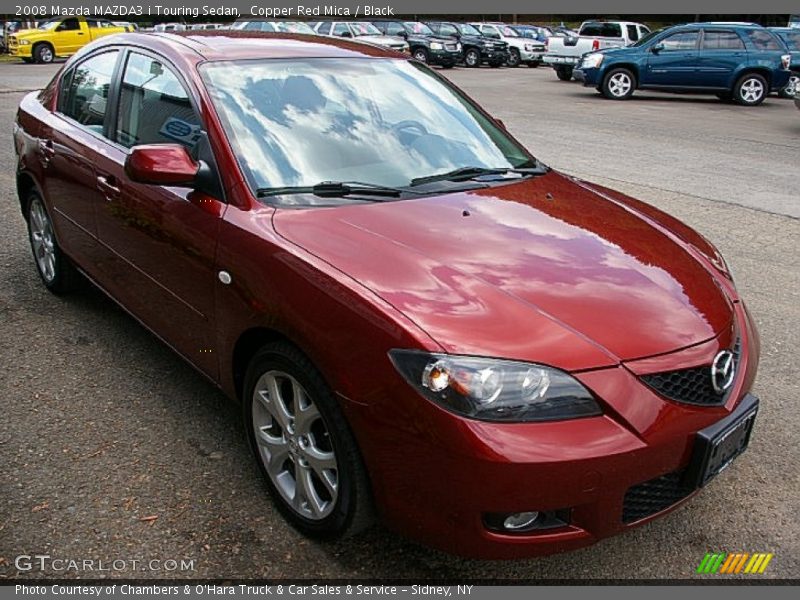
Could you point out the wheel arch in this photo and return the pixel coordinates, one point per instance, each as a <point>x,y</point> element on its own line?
<point>632,67</point>
<point>25,185</point>
<point>40,43</point>
<point>763,71</point>
<point>246,346</point>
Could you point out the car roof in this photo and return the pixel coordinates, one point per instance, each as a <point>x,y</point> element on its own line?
<point>226,44</point>
<point>727,24</point>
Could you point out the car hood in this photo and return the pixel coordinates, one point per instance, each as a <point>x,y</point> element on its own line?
<point>546,269</point>
<point>381,40</point>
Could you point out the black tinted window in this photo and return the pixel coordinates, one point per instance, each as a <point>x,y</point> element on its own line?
<point>154,107</point>
<point>602,30</point>
<point>633,33</point>
<point>761,39</point>
<point>69,25</point>
<point>686,40</point>
<point>88,90</point>
<point>722,40</point>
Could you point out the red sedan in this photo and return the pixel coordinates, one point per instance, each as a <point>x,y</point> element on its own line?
<point>421,321</point>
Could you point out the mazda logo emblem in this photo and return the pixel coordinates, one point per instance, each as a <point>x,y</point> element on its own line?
<point>723,370</point>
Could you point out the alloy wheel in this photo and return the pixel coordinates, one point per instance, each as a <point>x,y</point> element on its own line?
<point>45,54</point>
<point>294,445</point>
<point>42,240</point>
<point>472,58</point>
<point>619,84</point>
<point>420,55</point>
<point>751,90</point>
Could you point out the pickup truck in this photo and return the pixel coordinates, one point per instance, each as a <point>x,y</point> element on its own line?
<point>564,53</point>
<point>58,37</point>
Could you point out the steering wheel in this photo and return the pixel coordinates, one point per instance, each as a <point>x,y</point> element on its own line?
<point>409,124</point>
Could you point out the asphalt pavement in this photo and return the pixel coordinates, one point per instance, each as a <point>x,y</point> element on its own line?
<point>112,448</point>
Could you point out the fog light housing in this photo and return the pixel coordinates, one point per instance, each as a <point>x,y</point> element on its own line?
<point>526,521</point>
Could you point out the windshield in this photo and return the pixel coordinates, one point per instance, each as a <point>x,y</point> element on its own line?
<point>49,25</point>
<point>467,29</point>
<point>365,29</point>
<point>417,27</point>
<point>292,27</point>
<point>648,37</point>
<point>299,122</point>
<point>792,39</point>
<point>508,32</point>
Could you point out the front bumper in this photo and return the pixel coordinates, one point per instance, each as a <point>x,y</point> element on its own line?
<point>444,57</point>
<point>436,476</point>
<point>531,56</point>
<point>20,50</point>
<point>491,56</point>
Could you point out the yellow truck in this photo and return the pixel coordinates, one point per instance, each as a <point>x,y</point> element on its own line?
<point>62,36</point>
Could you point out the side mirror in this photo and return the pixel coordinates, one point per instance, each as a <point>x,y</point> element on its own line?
<point>162,164</point>
<point>656,48</point>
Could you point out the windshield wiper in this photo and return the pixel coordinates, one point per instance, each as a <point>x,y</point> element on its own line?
<point>334,189</point>
<point>466,173</point>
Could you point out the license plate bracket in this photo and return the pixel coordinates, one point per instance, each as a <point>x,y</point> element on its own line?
<point>717,446</point>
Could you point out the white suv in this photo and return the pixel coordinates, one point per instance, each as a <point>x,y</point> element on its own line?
<point>521,50</point>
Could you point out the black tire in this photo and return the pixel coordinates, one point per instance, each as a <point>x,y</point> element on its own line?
<point>472,58</point>
<point>792,88</point>
<point>619,84</point>
<point>564,73</point>
<point>351,511</point>
<point>514,59</point>
<point>420,54</point>
<point>43,53</point>
<point>63,278</point>
<point>750,90</point>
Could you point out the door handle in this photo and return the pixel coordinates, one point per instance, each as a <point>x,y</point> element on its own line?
<point>47,148</point>
<point>108,185</point>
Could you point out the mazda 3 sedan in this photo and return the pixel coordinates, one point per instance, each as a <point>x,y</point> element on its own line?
<point>422,323</point>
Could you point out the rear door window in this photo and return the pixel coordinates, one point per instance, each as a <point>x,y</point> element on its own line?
<point>633,33</point>
<point>722,40</point>
<point>86,98</point>
<point>761,39</point>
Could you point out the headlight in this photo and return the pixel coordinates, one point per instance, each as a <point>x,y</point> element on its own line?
<point>437,46</point>
<point>528,48</point>
<point>24,42</point>
<point>493,389</point>
<point>592,61</point>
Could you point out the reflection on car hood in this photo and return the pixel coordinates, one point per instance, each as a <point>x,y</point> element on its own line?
<point>544,270</point>
<point>381,40</point>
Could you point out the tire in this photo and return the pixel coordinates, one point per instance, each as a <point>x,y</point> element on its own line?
<point>792,88</point>
<point>57,272</point>
<point>564,73</point>
<point>335,500</point>
<point>421,55</point>
<point>472,58</point>
<point>513,58</point>
<point>619,84</point>
<point>43,53</point>
<point>750,90</point>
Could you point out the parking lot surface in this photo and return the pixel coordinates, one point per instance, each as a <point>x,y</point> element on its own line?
<point>113,448</point>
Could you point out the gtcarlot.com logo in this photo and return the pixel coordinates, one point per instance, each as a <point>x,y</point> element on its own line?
<point>723,563</point>
<point>45,562</point>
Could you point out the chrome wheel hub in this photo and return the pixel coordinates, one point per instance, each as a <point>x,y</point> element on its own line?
<point>42,240</point>
<point>619,84</point>
<point>294,445</point>
<point>752,90</point>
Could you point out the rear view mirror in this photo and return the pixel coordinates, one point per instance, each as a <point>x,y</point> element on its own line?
<point>657,48</point>
<point>161,164</point>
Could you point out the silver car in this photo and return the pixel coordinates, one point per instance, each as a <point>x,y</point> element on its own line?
<point>361,31</point>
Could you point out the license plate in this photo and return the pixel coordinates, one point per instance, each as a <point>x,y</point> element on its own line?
<point>716,447</point>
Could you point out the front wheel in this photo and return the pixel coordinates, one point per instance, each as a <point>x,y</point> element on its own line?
<point>472,58</point>
<point>55,269</point>
<point>304,446</point>
<point>619,84</point>
<point>791,88</point>
<point>513,58</point>
<point>564,73</point>
<point>421,55</point>
<point>750,90</point>
<point>43,53</point>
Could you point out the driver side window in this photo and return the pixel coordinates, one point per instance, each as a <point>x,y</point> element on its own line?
<point>70,24</point>
<point>686,40</point>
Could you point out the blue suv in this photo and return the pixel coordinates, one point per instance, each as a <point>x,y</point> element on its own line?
<point>736,61</point>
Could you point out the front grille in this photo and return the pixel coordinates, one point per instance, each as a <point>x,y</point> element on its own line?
<point>690,386</point>
<point>651,497</point>
<point>12,43</point>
